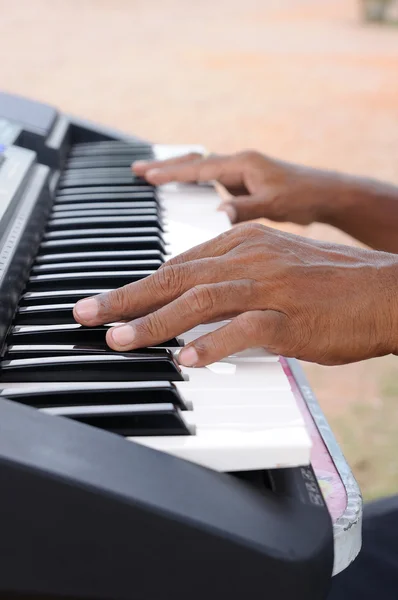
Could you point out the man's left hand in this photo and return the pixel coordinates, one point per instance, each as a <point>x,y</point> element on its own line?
<point>294,296</point>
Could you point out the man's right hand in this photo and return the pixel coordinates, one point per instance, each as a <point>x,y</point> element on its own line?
<point>260,187</point>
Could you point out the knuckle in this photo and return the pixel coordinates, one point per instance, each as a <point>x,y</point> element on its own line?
<point>208,348</point>
<point>201,300</point>
<point>202,348</point>
<point>278,206</point>
<point>116,301</point>
<point>249,230</point>
<point>284,339</point>
<point>249,325</point>
<point>149,327</point>
<point>250,155</point>
<point>167,280</point>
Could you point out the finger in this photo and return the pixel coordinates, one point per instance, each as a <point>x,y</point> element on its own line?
<point>245,208</point>
<point>198,305</point>
<point>251,329</point>
<point>140,167</point>
<point>193,171</point>
<point>148,294</point>
<point>218,246</point>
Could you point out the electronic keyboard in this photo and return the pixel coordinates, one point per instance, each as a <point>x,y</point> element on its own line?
<point>125,475</point>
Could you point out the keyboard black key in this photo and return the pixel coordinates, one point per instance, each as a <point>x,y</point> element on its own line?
<point>149,242</point>
<point>66,334</point>
<point>102,172</point>
<point>139,153</point>
<point>58,296</point>
<point>91,367</point>
<point>113,160</point>
<point>105,174</point>
<point>133,145</point>
<point>89,279</point>
<point>124,205</point>
<point>104,212</point>
<point>128,420</point>
<point>99,265</point>
<point>104,231</point>
<point>84,223</point>
<point>38,350</point>
<point>103,393</point>
<point>105,255</point>
<point>96,180</point>
<point>106,192</point>
<point>45,314</point>
<point>118,156</point>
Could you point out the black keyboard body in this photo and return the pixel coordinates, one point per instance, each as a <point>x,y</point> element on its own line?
<point>83,513</point>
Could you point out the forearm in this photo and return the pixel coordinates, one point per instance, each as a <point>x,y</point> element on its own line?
<point>367,210</point>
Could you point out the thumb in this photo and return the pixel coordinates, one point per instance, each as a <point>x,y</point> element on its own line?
<point>254,329</point>
<point>244,208</point>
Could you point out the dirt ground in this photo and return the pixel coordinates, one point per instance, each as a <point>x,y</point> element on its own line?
<point>304,80</point>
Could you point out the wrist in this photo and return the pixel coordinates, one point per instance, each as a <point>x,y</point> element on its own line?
<point>386,302</point>
<point>341,196</point>
<point>352,197</point>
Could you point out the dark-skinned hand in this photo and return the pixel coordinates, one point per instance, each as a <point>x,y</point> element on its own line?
<point>260,186</point>
<point>297,297</point>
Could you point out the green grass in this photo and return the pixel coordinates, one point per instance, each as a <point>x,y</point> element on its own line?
<point>368,436</point>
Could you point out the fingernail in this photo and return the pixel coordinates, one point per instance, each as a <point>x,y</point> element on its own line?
<point>230,210</point>
<point>153,173</point>
<point>139,163</point>
<point>123,335</point>
<point>86,309</point>
<point>188,357</point>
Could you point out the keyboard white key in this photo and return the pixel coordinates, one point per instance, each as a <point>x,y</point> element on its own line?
<point>243,376</point>
<point>244,412</point>
<point>237,450</point>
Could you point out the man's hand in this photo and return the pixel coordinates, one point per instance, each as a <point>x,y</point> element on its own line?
<point>264,187</point>
<point>260,186</point>
<point>296,297</point>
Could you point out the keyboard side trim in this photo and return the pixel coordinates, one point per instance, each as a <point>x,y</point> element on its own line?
<point>20,242</point>
<point>348,527</point>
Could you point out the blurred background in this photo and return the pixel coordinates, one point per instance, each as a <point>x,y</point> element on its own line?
<point>311,81</point>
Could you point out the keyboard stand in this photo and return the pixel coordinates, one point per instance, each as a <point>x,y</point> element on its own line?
<point>337,482</point>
